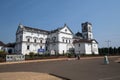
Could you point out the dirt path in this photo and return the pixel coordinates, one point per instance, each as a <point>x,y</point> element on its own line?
<point>26,76</point>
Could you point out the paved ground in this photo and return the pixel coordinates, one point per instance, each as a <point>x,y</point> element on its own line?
<point>84,69</point>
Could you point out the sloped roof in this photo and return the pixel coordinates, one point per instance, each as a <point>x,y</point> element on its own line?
<point>7,45</point>
<point>69,29</point>
<point>1,43</point>
<point>35,29</point>
<point>58,29</point>
<point>30,29</point>
<point>84,41</point>
<point>10,45</point>
<point>94,40</point>
<point>53,31</point>
<point>86,23</point>
<point>40,30</point>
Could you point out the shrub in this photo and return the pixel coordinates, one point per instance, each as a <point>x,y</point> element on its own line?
<point>31,54</point>
<point>2,51</point>
<point>70,55</point>
<point>47,54</point>
<point>2,56</point>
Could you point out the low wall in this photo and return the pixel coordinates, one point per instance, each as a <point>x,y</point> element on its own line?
<point>15,58</point>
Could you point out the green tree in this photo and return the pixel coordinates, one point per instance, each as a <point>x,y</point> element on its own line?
<point>101,51</point>
<point>115,50</point>
<point>105,51</point>
<point>111,51</point>
<point>118,50</point>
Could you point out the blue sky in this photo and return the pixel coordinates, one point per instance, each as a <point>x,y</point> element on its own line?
<point>51,14</point>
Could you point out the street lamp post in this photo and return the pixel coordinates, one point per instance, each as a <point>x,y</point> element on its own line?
<point>108,43</point>
<point>106,60</point>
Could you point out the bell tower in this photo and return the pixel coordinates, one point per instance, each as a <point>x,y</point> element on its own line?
<point>87,30</point>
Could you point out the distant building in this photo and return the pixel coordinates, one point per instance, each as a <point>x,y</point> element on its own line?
<point>84,43</point>
<point>8,48</point>
<point>58,41</point>
<point>1,45</point>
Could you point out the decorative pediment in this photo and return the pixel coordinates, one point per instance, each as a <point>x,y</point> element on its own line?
<point>66,29</point>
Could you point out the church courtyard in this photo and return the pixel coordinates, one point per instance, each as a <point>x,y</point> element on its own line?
<point>83,69</point>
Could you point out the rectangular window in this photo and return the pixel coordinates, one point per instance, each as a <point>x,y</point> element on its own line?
<point>63,40</point>
<point>63,52</point>
<point>40,47</point>
<point>66,41</point>
<point>28,40</point>
<point>69,41</point>
<point>40,41</point>
<point>35,41</point>
<point>46,48</point>
<point>46,42</point>
<point>28,47</point>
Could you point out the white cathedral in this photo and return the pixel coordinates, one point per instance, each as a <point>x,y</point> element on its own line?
<point>59,41</point>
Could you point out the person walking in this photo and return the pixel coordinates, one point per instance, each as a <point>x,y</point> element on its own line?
<point>78,56</point>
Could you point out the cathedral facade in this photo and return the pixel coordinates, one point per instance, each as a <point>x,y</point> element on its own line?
<point>58,41</point>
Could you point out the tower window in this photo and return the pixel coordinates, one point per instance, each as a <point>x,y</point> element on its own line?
<point>89,28</point>
<point>85,28</point>
<point>90,36</point>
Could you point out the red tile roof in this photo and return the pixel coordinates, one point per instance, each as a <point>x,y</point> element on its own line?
<point>84,41</point>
